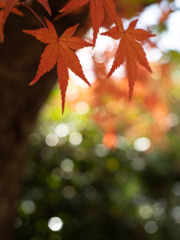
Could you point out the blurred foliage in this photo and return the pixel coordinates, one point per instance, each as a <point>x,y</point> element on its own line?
<point>108,168</point>
<point>96,192</point>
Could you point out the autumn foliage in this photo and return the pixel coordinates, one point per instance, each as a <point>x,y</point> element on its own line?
<point>129,50</point>
<point>60,50</point>
<point>148,114</point>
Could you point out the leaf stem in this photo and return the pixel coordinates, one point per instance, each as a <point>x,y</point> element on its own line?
<point>35,14</point>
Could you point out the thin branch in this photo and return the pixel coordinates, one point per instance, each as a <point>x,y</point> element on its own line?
<point>35,14</point>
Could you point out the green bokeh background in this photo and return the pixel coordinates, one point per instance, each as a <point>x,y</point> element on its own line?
<point>99,193</point>
<point>96,192</point>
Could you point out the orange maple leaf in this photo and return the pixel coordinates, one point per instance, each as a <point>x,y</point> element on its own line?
<point>59,50</point>
<point>12,10</point>
<point>45,4</point>
<point>97,12</point>
<point>9,6</point>
<point>129,50</point>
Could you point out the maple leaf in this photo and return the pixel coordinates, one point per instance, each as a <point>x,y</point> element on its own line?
<point>10,4</point>
<point>1,28</point>
<point>7,6</point>
<point>129,50</point>
<point>13,10</point>
<point>97,12</point>
<point>45,4</point>
<point>59,50</point>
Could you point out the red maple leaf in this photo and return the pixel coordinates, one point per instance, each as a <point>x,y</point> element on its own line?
<point>45,4</point>
<point>129,50</point>
<point>97,12</point>
<point>59,50</point>
<point>12,10</point>
<point>9,6</point>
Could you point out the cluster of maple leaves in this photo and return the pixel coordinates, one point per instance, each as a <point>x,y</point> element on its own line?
<point>150,112</point>
<point>61,50</point>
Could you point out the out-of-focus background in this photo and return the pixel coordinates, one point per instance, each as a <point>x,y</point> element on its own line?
<point>109,168</point>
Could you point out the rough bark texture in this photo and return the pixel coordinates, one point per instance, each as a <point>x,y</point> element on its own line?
<point>19,107</point>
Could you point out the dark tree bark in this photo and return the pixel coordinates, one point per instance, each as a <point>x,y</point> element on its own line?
<point>19,105</point>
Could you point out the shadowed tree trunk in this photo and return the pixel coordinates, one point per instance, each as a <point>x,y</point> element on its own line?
<point>19,106</point>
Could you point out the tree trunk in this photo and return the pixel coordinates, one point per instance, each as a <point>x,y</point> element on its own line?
<point>19,107</point>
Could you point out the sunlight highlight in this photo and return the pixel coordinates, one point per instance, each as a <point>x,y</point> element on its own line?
<point>51,140</point>
<point>61,130</point>
<point>142,144</point>
<point>82,108</point>
<point>75,138</point>
<point>55,224</point>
